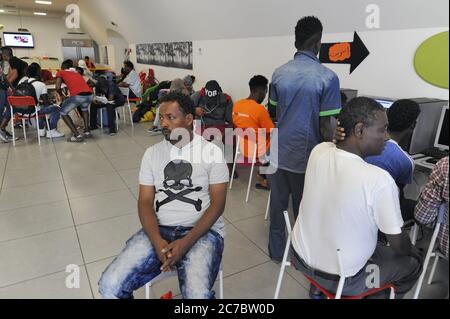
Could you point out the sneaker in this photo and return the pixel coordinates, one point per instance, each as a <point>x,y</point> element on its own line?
<point>87,135</point>
<point>54,134</point>
<point>112,133</point>
<point>76,139</point>
<point>3,136</point>
<point>155,131</point>
<point>42,132</point>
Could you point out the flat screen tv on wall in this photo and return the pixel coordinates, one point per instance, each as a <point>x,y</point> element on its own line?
<point>18,40</point>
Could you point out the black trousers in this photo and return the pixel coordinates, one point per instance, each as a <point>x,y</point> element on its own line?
<point>110,113</point>
<point>282,184</point>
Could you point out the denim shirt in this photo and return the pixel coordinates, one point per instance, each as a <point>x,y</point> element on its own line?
<point>303,90</point>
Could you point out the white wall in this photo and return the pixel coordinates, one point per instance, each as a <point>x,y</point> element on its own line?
<point>116,47</point>
<point>388,71</point>
<point>47,33</point>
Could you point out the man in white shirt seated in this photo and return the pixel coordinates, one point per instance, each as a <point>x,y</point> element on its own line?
<point>183,186</point>
<point>131,80</point>
<point>345,202</point>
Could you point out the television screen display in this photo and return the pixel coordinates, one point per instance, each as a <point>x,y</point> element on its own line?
<point>18,40</point>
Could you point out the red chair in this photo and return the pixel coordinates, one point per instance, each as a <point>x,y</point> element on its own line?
<point>328,294</point>
<point>24,102</point>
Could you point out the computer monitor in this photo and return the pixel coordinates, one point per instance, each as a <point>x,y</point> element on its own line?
<point>385,103</point>
<point>442,134</point>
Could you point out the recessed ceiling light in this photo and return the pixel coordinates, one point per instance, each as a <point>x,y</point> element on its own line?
<point>1,10</point>
<point>43,2</point>
<point>40,13</point>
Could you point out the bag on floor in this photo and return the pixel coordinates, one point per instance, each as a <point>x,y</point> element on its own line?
<point>140,112</point>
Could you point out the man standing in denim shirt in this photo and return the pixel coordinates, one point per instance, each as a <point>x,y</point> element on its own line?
<point>306,94</point>
<point>183,186</point>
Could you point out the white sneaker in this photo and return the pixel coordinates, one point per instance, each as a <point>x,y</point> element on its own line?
<point>54,134</point>
<point>42,132</point>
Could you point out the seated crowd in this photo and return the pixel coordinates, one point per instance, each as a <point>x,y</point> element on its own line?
<point>347,187</point>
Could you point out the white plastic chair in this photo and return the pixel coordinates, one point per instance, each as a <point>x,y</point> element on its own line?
<point>285,263</point>
<point>253,159</point>
<point>165,275</point>
<point>126,93</point>
<point>441,219</point>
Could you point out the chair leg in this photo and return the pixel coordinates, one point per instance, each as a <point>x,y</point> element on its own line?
<point>413,234</point>
<point>267,208</point>
<point>284,263</point>
<point>101,118</point>
<point>37,127</point>
<point>148,286</point>
<point>12,128</point>
<point>251,175</point>
<point>48,125</point>
<point>221,283</point>
<point>24,130</point>
<point>433,269</point>
<point>131,115</point>
<point>117,120</point>
<point>392,294</point>
<point>426,262</point>
<point>235,160</point>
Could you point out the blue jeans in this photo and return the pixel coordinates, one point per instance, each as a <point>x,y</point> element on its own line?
<point>83,101</point>
<point>52,110</point>
<point>2,103</point>
<point>54,116</point>
<point>138,263</point>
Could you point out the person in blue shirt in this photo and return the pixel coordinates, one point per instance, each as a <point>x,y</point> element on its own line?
<point>306,94</point>
<point>402,117</point>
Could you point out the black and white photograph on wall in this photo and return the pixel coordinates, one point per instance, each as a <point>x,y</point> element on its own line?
<point>175,55</point>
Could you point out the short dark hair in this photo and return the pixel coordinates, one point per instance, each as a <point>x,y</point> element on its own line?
<point>402,115</point>
<point>344,98</point>
<point>359,110</point>
<point>258,81</point>
<point>129,64</point>
<point>67,64</point>
<point>34,71</point>
<point>79,70</point>
<point>184,101</point>
<point>305,29</point>
<point>87,58</point>
<point>7,50</point>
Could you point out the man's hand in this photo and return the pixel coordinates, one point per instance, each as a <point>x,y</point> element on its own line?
<point>175,251</point>
<point>199,111</point>
<point>9,91</point>
<point>159,246</point>
<point>339,134</point>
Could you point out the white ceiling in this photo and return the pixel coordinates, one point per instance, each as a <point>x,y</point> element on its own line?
<point>27,7</point>
<point>142,21</point>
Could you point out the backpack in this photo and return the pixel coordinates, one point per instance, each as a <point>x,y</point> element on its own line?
<point>26,89</point>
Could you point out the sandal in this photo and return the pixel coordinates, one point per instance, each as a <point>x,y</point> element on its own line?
<point>75,139</point>
<point>260,186</point>
<point>87,135</point>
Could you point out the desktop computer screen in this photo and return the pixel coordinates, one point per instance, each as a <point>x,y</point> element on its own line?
<point>385,103</point>
<point>442,134</point>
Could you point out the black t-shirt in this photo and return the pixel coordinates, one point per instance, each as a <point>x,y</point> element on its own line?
<point>20,66</point>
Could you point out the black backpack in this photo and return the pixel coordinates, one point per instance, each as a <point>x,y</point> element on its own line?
<point>26,89</point>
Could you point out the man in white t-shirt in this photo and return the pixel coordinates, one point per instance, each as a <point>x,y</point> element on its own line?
<point>131,80</point>
<point>33,77</point>
<point>345,202</point>
<point>183,185</point>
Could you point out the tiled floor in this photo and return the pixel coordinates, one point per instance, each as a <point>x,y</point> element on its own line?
<point>64,204</point>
